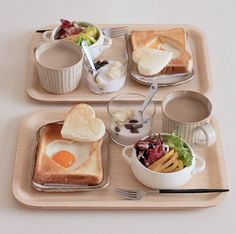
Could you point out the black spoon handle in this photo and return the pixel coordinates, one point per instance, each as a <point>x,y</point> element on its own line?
<point>43,30</point>
<point>200,190</point>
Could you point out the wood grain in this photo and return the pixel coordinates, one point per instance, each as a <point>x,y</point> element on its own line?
<point>202,81</point>
<point>214,176</point>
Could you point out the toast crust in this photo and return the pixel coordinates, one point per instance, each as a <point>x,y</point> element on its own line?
<point>48,171</point>
<point>176,37</point>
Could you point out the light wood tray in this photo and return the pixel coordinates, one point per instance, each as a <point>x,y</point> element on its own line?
<point>214,176</point>
<point>201,82</point>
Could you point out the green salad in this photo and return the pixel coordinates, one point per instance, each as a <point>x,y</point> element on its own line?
<point>77,32</point>
<point>177,144</point>
<point>89,34</point>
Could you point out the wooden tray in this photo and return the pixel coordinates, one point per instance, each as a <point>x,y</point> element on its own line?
<point>214,175</point>
<point>201,82</point>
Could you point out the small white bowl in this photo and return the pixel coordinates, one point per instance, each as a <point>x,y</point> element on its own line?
<point>103,40</point>
<point>157,180</point>
<point>62,79</point>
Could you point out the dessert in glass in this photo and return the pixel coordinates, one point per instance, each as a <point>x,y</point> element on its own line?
<point>110,73</point>
<point>127,124</point>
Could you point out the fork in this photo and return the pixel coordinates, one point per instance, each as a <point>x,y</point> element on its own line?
<point>110,32</point>
<point>115,32</point>
<point>135,194</point>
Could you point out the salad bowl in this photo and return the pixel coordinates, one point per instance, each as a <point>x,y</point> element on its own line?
<point>99,43</point>
<point>161,180</point>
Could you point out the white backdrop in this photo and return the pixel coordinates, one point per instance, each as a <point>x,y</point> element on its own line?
<point>19,19</point>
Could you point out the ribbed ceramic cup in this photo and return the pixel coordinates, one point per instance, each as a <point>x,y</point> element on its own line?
<point>59,80</point>
<point>200,131</point>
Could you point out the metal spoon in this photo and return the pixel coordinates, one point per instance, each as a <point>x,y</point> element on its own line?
<point>88,55</point>
<point>151,92</point>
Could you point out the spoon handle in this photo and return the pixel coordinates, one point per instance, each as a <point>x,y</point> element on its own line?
<point>151,92</point>
<point>88,55</point>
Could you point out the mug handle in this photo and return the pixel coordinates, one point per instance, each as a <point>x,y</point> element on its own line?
<point>209,132</point>
<point>199,169</point>
<point>107,41</point>
<point>47,36</point>
<point>127,157</point>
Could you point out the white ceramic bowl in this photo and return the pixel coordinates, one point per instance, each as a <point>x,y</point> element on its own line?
<point>103,41</point>
<point>59,80</point>
<point>157,180</point>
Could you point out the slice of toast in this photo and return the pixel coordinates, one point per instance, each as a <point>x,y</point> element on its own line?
<point>86,170</point>
<point>174,38</point>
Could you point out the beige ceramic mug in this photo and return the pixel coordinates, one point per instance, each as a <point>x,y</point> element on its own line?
<point>59,65</point>
<point>188,113</point>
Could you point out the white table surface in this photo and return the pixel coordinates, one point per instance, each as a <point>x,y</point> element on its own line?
<point>19,19</point>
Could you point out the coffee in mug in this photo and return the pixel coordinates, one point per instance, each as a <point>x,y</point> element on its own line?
<point>188,114</point>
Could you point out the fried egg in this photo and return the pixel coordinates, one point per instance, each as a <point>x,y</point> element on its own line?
<point>68,154</point>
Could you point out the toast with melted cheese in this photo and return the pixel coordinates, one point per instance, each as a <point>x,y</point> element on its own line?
<point>173,40</point>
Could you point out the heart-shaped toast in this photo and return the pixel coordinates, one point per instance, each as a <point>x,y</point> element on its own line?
<point>82,125</point>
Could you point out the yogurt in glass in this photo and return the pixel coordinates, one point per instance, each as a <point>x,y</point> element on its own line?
<point>127,125</point>
<point>107,78</point>
<point>110,73</point>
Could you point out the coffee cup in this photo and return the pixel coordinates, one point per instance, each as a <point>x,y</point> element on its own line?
<point>59,65</point>
<point>188,113</point>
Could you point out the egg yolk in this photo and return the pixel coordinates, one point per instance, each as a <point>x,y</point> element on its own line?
<point>64,158</point>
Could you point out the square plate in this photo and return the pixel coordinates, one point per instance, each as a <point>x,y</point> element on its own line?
<point>163,80</point>
<point>52,187</point>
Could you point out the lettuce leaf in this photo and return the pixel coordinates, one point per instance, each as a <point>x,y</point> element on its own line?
<point>91,30</point>
<point>177,144</point>
<point>83,37</point>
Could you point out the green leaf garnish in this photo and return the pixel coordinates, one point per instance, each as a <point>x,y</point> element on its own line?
<point>177,144</point>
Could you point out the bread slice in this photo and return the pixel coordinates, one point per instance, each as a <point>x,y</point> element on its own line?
<point>173,40</point>
<point>82,125</point>
<point>87,168</point>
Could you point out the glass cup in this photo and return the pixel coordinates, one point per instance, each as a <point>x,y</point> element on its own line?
<point>110,73</point>
<point>127,125</point>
